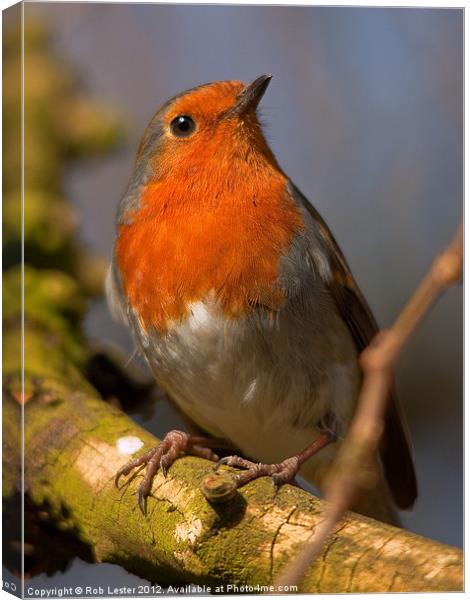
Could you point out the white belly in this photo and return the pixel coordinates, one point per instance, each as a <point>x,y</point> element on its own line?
<point>263,385</point>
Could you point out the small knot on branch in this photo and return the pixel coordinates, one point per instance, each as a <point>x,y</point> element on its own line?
<point>448,267</point>
<point>379,356</point>
<point>219,487</point>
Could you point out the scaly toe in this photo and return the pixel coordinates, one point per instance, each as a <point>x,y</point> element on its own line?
<point>286,473</point>
<point>174,444</point>
<point>237,462</point>
<point>140,461</point>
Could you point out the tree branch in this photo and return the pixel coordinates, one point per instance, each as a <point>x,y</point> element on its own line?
<point>74,445</point>
<point>350,471</point>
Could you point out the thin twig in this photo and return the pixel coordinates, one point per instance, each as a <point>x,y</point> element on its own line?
<point>351,469</point>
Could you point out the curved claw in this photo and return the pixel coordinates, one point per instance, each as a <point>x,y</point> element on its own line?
<point>121,473</point>
<point>174,444</point>
<point>220,462</point>
<point>142,501</point>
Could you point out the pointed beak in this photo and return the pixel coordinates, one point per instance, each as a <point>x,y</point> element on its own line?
<point>250,97</point>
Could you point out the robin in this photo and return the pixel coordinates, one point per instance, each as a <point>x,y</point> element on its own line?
<point>242,302</point>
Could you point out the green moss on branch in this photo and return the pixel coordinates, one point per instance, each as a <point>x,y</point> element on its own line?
<point>72,455</point>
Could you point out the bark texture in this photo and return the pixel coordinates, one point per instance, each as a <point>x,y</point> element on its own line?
<point>74,445</point>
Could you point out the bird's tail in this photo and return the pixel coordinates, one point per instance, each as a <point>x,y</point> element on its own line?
<point>376,502</point>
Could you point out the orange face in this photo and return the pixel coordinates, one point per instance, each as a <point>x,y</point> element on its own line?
<point>207,106</point>
<point>213,216</point>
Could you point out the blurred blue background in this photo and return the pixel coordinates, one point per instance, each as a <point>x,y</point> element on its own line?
<point>364,114</point>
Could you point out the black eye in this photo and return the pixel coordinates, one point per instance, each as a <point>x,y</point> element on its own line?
<point>182,126</point>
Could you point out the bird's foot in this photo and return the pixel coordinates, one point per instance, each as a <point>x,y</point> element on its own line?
<point>283,472</point>
<point>174,444</point>
<point>280,473</point>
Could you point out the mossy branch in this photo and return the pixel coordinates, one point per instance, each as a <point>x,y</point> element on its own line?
<point>350,472</point>
<point>73,440</point>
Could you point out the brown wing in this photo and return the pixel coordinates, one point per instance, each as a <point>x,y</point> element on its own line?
<point>395,452</point>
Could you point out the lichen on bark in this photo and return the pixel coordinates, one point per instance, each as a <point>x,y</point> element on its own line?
<point>72,457</point>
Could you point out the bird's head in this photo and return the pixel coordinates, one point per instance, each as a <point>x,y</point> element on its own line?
<point>210,129</point>
<point>224,106</point>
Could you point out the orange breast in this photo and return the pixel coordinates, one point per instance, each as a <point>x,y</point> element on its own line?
<point>222,234</point>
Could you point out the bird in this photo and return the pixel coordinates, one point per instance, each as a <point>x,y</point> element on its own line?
<point>242,303</point>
